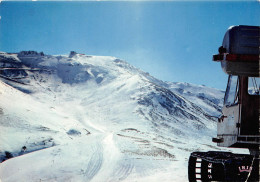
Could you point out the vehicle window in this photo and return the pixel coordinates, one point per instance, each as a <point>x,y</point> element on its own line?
<point>253,85</point>
<point>231,91</point>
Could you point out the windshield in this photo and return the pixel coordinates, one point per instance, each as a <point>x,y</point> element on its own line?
<point>231,91</point>
<point>253,85</point>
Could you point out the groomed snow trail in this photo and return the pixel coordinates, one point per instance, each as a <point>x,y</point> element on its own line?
<point>96,159</point>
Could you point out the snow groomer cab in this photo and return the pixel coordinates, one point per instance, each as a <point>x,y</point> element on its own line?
<point>239,124</point>
<point>239,56</point>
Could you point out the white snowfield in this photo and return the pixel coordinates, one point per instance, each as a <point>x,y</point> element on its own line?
<point>94,118</point>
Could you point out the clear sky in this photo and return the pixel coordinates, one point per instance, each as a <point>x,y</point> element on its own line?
<point>173,41</point>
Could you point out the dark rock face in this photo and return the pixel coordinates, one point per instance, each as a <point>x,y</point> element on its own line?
<point>30,53</point>
<point>72,53</point>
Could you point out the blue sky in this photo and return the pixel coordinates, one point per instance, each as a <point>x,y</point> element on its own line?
<point>173,41</point>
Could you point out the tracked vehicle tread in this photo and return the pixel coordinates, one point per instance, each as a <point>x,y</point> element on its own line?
<point>222,166</point>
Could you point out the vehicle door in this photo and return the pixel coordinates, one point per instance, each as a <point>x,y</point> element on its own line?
<point>227,127</point>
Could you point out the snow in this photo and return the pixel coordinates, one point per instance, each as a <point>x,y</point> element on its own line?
<point>97,118</point>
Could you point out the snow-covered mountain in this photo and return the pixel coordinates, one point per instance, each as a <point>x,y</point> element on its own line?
<point>97,118</point>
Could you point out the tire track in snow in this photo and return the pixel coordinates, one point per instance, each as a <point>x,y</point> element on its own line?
<point>116,167</point>
<point>124,169</point>
<point>95,163</point>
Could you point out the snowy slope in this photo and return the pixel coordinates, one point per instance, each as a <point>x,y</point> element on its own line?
<point>97,118</point>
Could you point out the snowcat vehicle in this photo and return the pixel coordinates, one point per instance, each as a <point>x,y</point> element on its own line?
<point>238,126</point>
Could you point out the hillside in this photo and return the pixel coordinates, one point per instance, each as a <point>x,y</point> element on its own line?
<point>97,118</point>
